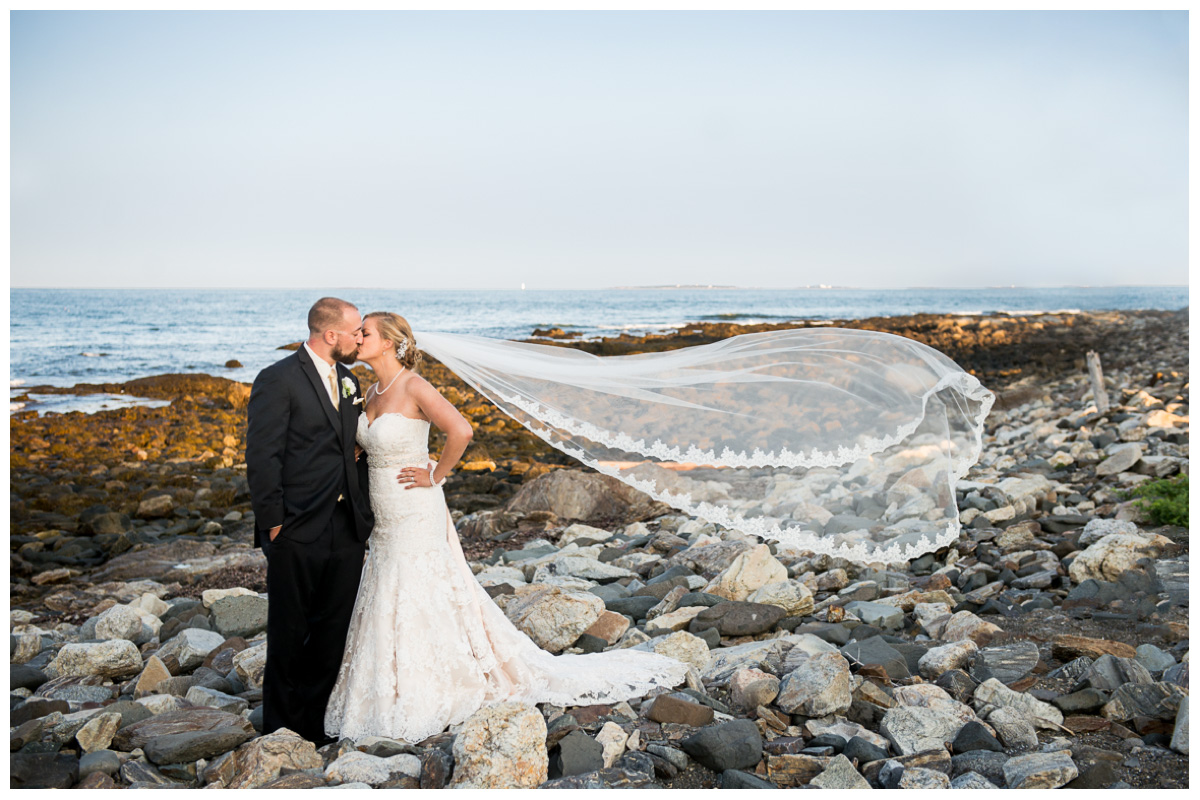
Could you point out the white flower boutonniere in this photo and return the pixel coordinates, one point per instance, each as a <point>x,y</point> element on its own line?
<point>347,387</point>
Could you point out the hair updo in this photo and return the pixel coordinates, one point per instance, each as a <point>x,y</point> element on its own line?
<point>396,329</point>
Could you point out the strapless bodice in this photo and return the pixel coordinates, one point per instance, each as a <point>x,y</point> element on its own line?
<point>394,440</point>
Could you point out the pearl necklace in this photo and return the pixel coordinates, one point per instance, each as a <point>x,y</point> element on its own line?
<point>379,391</point>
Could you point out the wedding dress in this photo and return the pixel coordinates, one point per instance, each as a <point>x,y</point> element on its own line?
<point>427,647</point>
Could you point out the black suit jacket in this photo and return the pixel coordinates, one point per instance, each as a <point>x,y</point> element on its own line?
<point>300,452</point>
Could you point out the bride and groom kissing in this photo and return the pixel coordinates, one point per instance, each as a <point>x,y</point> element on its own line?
<point>376,625</point>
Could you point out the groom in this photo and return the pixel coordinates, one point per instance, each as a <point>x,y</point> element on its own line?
<point>312,515</point>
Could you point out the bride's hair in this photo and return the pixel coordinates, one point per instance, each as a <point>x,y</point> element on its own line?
<point>396,329</point>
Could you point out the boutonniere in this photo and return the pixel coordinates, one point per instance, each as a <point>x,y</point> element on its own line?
<point>347,387</point>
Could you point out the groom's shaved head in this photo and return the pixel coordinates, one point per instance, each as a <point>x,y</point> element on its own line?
<point>326,314</point>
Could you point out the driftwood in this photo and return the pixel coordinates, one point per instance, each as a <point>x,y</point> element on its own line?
<point>1096,375</point>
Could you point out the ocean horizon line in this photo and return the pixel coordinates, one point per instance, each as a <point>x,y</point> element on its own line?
<point>656,287</point>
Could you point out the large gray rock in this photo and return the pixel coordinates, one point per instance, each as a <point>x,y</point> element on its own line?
<point>972,780</point>
<point>1121,458</point>
<point>359,767</point>
<point>244,615</point>
<point>190,647</point>
<point>992,694</point>
<point>1040,770</point>
<point>913,729</point>
<point>188,720</point>
<point>819,686</point>
<point>737,619</point>
<point>179,748</point>
<point>1154,659</point>
<point>732,745</point>
<point>121,622</point>
<point>937,661</point>
<point>574,494</point>
<point>875,651</point>
<point>117,658</point>
<point>877,614</point>
<point>552,616</point>
<point>1154,700</point>
<point>1179,739</point>
<point>1109,673</point>
<point>840,774</point>
<point>1006,663</point>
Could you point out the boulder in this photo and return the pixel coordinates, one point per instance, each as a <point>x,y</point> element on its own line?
<point>250,665</point>
<point>881,615</point>
<point>574,494</point>
<point>121,622</point>
<point>117,658</point>
<point>190,646</point>
<point>243,615</point>
<point>840,774</point>
<point>97,733</point>
<point>1040,770</point>
<point>750,688</point>
<point>359,767</point>
<point>680,710</point>
<point>736,619</point>
<point>261,760</point>
<point>792,596</point>
<point>612,739</point>
<point>179,748</point>
<point>683,646</point>
<point>818,686</point>
<point>502,746</point>
<point>992,694</point>
<point>1179,739</point>
<point>554,617</point>
<point>731,745</point>
<point>155,507</point>
<point>1013,728</point>
<point>748,572</point>
<point>188,720</point>
<point>937,661</point>
<point>965,625</point>
<point>1115,554</point>
<point>1151,700</point>
<point>1007,663</point>
<point>913,729</point>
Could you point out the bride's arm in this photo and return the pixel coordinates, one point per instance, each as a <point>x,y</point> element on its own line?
<point>445,416</point>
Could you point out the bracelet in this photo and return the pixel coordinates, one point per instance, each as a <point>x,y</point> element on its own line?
<point>432,482</point>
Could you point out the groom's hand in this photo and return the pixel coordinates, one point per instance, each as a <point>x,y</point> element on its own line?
<point>274,532</point>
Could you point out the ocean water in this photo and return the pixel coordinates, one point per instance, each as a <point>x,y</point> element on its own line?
<point>62,337</point>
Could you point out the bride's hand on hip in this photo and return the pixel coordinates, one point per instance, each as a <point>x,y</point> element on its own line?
<point>415,477</point>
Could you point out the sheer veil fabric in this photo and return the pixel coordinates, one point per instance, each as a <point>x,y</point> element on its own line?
<point>833,440</point>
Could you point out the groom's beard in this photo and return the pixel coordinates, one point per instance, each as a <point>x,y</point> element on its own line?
<point>347,357</point>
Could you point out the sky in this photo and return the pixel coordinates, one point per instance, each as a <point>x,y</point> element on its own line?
<point>584,150</point>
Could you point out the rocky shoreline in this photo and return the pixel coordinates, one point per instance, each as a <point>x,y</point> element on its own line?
<point>1048,647</point>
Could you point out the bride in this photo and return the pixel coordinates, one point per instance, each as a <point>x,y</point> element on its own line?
<point>427,647</point>
<point>825,440</point>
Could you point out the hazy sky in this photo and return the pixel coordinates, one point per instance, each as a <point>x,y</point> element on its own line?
<point>576,150</point>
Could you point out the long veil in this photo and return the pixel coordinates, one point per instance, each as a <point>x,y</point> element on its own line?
<point>834,440</point>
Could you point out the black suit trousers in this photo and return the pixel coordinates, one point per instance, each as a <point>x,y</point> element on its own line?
<point>312,587</point>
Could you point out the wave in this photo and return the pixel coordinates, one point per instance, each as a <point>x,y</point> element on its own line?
<point>93,355</point>
<point>740,315</point>
<point>642,326</point>
<point>16,382</point>
<point>15,407</point>
<point>1014,312</point>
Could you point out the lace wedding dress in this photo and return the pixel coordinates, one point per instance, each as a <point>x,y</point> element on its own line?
<point>427,647</point>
